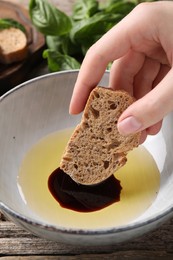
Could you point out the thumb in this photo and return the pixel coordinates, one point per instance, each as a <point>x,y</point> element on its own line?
<point>150,109</point>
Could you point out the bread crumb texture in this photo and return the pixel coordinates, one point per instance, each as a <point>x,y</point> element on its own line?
<point>13,45</point>
<point>96,149</point>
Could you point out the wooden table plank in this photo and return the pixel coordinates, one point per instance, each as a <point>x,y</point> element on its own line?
<point>16,241</point>
<point>118,256</point>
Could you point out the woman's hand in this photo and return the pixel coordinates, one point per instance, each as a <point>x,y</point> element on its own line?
<point>141,49</point>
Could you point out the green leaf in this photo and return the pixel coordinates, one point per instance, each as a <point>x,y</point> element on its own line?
<point>98,24</point>
<point>86,44</point>
<point>109,66</point>
<point>63,44</point>
<point>58,61</point>
<point>6,23</point>
<point>48,19</point>
<point>57,43</point>
<point>120,6</point>
<point>84,9</point>
<point>69,37</point>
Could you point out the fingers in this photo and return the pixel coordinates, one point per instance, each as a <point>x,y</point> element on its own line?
<point>152,130</point>
<point>143,136</point>
<point>94,64</point>
<point>164,69</point>
<point>91,71</point>
<point>136,31</point>
<point>138,79</point>
<point>113,45</point>
<point>140,32</point>
<point>135,73</point>
<point>150,109</point>
<point>143,81</point>
<point>124,70</point>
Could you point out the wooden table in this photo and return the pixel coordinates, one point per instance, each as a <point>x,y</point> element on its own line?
<point>16,243</point>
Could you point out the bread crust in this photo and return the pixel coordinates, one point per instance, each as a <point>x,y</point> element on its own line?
<point>96,149</point>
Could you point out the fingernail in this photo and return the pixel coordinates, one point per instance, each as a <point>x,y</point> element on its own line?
<point>129,125</point>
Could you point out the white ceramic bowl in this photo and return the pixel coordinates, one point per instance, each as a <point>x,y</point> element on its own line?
<point>39,107</point>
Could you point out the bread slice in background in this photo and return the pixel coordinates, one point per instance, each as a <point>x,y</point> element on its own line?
<point>13,45</point>
<point>96,149</point>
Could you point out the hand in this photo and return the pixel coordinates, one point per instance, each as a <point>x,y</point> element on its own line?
<point>141,48</point>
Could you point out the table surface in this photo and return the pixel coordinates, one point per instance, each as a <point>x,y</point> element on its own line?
<point>16,243</point>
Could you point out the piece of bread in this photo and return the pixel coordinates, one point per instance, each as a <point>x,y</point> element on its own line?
<point>96,149</point>
<point>13,45</point>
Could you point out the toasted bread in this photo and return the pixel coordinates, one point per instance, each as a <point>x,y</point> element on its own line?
<point>13,45</point>
<point>96,149</point>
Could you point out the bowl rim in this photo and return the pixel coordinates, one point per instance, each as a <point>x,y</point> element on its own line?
<point>85,231</point>
<point>47,75</point>
<point>67,230</point>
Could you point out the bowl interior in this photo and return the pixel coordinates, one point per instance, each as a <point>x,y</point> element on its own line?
<point>40,107</point>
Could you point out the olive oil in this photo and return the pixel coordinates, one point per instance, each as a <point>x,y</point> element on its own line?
<point>139,179</point>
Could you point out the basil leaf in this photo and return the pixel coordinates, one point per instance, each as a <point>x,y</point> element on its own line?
<point>86,44</point>
<point>57,43</point>
<point>63,44</point>
<point>98,24</point>
<point>6,23</point>
<point>58,61</point>
<point>84,9</point>
<point>48,19</point>
<point>69,37</point>
<point>120,6</point>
